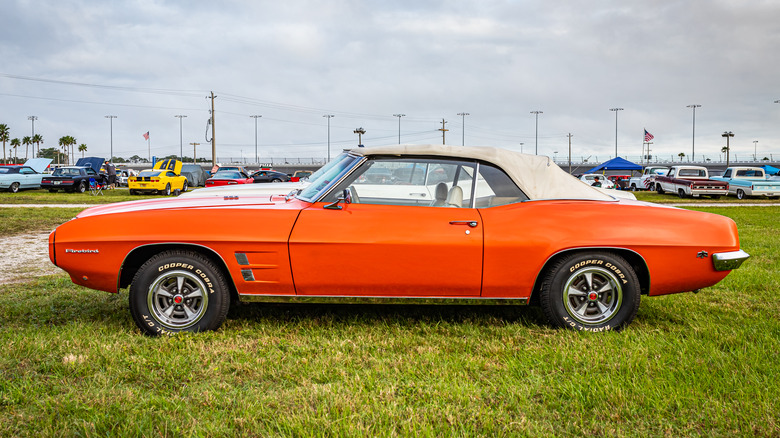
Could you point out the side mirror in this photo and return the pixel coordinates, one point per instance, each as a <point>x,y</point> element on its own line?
<point>346,197</point>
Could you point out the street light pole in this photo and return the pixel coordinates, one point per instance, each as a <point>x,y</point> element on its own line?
<point>728,135</point>
<point>181,141</point>
<point>616,126</point>
<point>693,141</point>
<point>755,144</point>
<point>537,130</point>
<point>329,116</point>
<point>33,119</point>
<point>360,131</point>
<point>111,123</point>
<point>257,159</point>
<point>399,125</point>
<point>463,128</point>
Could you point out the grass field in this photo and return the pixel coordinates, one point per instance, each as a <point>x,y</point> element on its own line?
<point>704,364</point>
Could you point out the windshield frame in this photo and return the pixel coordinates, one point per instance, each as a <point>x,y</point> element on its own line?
<point>328,176</point>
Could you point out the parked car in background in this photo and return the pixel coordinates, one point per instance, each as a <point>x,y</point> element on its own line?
<point>122,176</point>
<point>263,175</point>
<point>195,174</point>
<point>647,180</point>
<point>749,181</point>
<point>228,177</point>
<point>164,179</point>
<point>590,178</point>
<point>25,176</point>
<point>620,181</point>
<point>71,179</point>
<point>300,175</point>
<point>484,225</point>
<point>690,181</point>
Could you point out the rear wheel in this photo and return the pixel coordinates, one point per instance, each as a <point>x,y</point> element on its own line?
<point>133,192</point>
<point>633,187</point>
<point>740,194</point>
<point>167,191</point>
<point>185,186</point>
<point>681,193</point>
<point>14,187</point>
<point>177,291</point>
<point>275,180</point>
<point>52,190</point>
<point>590,291</point>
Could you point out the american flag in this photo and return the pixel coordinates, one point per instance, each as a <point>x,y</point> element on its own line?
<point>146,136</point>
<point>648,136</point>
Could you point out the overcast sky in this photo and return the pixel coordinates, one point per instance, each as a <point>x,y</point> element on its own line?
<point>72,62</point>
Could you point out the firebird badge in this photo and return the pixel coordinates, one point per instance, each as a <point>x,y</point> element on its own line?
<point>82,251</point>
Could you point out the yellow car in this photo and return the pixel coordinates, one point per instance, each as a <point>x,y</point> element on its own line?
<point>164,178</point>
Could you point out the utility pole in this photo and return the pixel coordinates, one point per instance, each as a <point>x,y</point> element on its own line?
<point>257,160</point>
<point>463,133</point>
<point>33,119</point>
<point>728,135</point>
<point>181,141</point>
<point>570,136</point>
<point>399,125</point>
<point>194,154</point>
<point>213,131</point>
<point>755,145</point>
<point>443,131</point>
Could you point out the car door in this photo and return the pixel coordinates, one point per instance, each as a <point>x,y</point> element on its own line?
<point>27,178</point>
<point>386,246</point>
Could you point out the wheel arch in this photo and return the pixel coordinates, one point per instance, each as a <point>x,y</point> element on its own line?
<point>138,256</point>
<point>636,261</point>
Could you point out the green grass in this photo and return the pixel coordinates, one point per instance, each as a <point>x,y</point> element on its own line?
<point>41,196</point>
<point>667,198</point>
<point>15,220</point>
<point>704,364</point>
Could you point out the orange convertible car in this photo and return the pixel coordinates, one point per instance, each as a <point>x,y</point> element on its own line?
<point>401,224</point>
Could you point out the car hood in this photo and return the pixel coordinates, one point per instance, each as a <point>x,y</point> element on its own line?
<point>181,202</point>
<point>93,162</point>
<point>38,164</point>
<point>248,189</point>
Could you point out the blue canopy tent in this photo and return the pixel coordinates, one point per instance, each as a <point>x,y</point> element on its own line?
<point>770,170</point>
<point>616,163</point>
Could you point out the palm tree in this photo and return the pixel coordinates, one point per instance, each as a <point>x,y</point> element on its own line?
<point>725,150</point>
<point>38,139</point>
<point>26,141</point>
<point>681,155</point>
<point>64,142</point>
<point>4,137</point>
<point>15,143</point>
<point>72,142</point>
<point>82,149</point>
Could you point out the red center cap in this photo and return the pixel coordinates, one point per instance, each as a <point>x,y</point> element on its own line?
<point>593,296</point>
<point>178,299</point>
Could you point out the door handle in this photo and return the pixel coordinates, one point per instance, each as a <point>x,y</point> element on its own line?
<point>472,224</point>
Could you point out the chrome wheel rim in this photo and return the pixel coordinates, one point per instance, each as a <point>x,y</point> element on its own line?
<point>592,295</point>
<point>178,299</point>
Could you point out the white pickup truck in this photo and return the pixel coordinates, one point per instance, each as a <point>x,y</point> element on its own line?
<point>647,180</point>
<point>693,181</point>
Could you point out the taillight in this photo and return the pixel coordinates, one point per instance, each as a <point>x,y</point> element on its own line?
<point>155,180</point>
<point>46,180</point>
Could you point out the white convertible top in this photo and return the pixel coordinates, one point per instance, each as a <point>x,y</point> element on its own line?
<point>536,175</point>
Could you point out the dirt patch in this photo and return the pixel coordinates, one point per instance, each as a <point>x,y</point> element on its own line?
<point>25,256</point>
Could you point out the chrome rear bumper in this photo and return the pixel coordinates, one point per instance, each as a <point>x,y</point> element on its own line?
<point>726,261</point>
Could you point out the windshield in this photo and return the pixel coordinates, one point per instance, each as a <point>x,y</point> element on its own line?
<point>327,175</point>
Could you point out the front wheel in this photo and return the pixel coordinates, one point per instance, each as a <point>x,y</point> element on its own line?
<point>177,291</point>
<point>14,187</point>
<point>82,187</point>
<point>740,194</point>
<point>590,291</point>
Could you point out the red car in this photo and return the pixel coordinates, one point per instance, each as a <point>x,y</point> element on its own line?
<point>228,177</point>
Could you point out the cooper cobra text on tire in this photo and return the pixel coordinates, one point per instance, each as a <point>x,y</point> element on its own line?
<point>595,291</point>
<point>178,291</point>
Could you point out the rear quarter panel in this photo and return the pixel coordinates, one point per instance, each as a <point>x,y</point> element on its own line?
<point>521,238</point>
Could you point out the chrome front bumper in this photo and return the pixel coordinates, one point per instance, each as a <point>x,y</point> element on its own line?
<point>726,261</point>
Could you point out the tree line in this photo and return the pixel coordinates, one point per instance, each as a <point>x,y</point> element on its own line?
<point>65,156</point>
